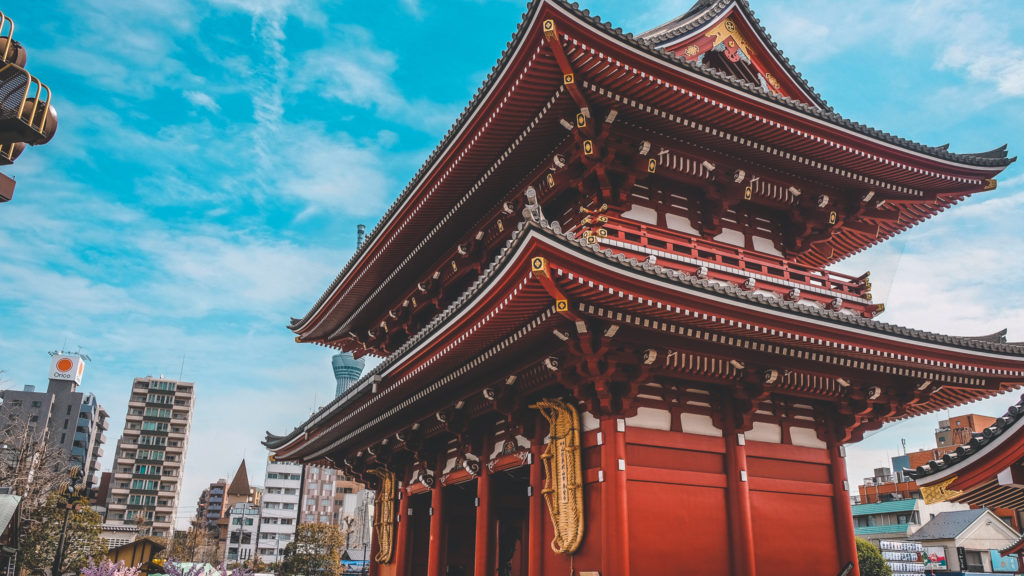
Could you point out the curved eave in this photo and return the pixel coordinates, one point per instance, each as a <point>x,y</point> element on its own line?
<point>573,16</point>
<point>986,455</point>
<point>540,236</point>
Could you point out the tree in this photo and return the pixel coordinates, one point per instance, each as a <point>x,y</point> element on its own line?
<point>41,536</point>
<point>29,465</point>
<point>315,551</point>
<point>199,544</point>
<point>870,559</point>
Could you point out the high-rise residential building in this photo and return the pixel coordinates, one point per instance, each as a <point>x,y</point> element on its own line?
<point>210,507</point>
<point>279,510</point>
<point>70,420</point>
<point>347,369</point>
<point>150,457</point>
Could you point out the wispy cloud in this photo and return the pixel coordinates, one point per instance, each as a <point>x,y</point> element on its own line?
<point>202,100</point>
<point>355,71</point>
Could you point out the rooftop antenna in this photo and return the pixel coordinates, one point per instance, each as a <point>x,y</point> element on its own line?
<point>182,371</point>
<point>904,442</point>
<point>360,235</point>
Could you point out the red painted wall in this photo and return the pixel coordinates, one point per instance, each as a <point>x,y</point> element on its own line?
<point>677,529</point>
<point>794,535</point>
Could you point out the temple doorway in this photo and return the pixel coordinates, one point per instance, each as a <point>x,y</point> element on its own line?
<point>512,514</point>
<point>460,525</point>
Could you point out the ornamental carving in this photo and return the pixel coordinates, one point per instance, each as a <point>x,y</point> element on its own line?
<point>938,492</point>
<point>385,521</point>
<point>563,487</point>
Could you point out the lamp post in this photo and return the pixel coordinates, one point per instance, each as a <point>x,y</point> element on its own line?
<point>67,494</point>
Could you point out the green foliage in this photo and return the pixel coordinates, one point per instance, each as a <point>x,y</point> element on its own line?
<point>316,551</point>
<point>870,559</point>
<point>41,536</point>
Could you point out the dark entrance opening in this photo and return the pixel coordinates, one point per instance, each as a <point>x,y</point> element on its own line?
<point>460,521</point>
<point>512,513</point>
<point>419,538</point>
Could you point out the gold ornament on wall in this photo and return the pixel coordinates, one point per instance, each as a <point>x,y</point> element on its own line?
<point>385,509</point>
<point>563,487</point>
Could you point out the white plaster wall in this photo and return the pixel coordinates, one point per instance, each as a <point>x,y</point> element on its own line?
<point>699,424</point>
<point>642,214</point>
<point>806,437</point>
<point>651,418</point>
<point>680,224</point>
<point>588,422</point>
<point>765,432</point>
<point>734,237</point>
<point>766,246</point>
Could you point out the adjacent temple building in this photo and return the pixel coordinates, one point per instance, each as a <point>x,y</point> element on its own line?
<point>611,342</point>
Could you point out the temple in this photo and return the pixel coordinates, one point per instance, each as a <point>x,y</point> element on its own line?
<point>611,342</point>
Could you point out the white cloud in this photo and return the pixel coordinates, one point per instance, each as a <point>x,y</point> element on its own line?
<point>355,71</point>
<point>413,8</point>
<point>202,100</point>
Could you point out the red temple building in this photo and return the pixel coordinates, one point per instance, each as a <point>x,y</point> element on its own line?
<point>611,343</point>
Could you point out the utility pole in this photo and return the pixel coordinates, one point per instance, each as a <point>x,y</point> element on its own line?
<point>69,493</point>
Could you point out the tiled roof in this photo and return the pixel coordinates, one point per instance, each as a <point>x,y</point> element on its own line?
<point>905,505</point>
<point>533,221</point>
<point>705,11</point>
<point>994,158</point>
<point>948,525</point>
<point>977,442</point>
<point>8,506</point>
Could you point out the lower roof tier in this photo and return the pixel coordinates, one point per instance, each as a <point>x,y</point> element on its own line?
<point>557,305</point>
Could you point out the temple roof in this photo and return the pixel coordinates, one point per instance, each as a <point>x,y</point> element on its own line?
<point>705,12</point>
<point>364,258</point>
<point>536,225</point>
<point>985,442</point>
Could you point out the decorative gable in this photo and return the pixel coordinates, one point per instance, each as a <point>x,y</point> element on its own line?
<point>724,36</point>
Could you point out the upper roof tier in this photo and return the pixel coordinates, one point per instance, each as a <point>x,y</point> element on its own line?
<point>711,80</point>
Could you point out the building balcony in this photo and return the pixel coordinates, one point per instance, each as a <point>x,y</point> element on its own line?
<point>727,263</point>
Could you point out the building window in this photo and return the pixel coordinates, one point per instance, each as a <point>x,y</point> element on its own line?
<point>37,404</point>
<point>974,562</point>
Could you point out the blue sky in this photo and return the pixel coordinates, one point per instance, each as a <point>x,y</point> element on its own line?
<point>214,158</point>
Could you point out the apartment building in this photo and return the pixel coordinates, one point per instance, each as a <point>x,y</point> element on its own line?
<point>150,457</point>
<point>211,505</point>
<point>279,510</point>
<point>242,527</point>
<point>71,420</point>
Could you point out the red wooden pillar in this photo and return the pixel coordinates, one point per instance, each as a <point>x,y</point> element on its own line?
<point>402,536</point>
<point>741,525</point>
<point>436,552</point>
<point>484,531</point>
<point>614,515</point>
<point>841,511</point>
<point>536,539</point>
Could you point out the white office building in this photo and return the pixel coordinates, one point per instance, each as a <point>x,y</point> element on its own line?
<point>279,509</point>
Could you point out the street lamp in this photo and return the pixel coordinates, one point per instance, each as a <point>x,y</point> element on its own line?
<point>67,493</point>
